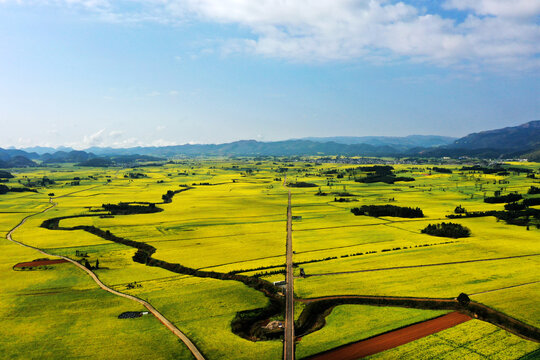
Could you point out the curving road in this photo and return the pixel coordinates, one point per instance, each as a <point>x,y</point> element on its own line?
<point>196,353</point>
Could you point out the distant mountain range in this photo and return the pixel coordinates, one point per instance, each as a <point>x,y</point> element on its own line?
<point>516,141</point>
<point>509,142</point>
<point>398,143</point>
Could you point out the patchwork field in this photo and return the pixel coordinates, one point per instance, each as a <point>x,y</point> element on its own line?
<point>221,218</point>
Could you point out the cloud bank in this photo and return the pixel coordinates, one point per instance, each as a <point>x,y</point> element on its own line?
<point>500,35</point>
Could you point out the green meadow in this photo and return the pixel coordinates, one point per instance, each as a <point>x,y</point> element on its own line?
<point>232,217</point>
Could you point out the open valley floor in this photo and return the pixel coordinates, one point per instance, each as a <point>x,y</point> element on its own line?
<point>192,258</point>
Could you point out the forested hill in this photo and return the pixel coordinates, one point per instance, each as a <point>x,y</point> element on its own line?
<point>516,141</point>
<point>516,138</point>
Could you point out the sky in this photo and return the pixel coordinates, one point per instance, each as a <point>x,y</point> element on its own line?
<point>85,73</point>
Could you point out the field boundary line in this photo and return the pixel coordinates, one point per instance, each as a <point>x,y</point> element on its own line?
<point>424,265</point>
<point>506,287</point>
<point>191,346</point>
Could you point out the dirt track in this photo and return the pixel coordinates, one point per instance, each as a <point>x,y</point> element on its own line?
<point>393,339</point>
<point>196,353</point>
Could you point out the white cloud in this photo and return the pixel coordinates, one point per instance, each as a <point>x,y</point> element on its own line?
<point>497,34</point>
<point>95,139</point>
<point>116,134</point>
<point>383,30</point>
<point>162,142</point>
<point>503,8</point>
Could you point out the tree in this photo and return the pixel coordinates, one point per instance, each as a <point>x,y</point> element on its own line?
<point>460,210</point>
<point>97,264</point>
<point>463,299</point>
<point>87,264</point>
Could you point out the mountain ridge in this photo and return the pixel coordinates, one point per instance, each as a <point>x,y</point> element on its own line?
<point>509,142</point>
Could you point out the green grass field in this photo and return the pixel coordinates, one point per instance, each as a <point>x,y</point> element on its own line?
<point>234,218</point>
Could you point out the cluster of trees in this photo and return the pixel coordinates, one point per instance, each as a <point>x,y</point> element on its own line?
<point>377,169</point>
<point>388,210</point>
<point>497,169</point>
<point>233,272</point>
<point>167,197</point>
<point>128,209</point>
<point>5,175</point>
<point>515,206</point>
<point>503,199</point>
<point>441,170</point>
<point>336,199</point>
<point>81,253</point>
<point>533,190</point>
<point>5,189</point>
<point>388,179</point>
<point>268,273</point>
<point>302,184</point>
<point>479,168</point>
<point>133,285</point>
<point>44,181</point>
<point>512,216</point>
<point>133,175</point>
<point>473,214</point>
<point>531,201</point>
<point>519,217</point>
<point>450,230</point>
<point>90,267</point>
<point>460,210</point>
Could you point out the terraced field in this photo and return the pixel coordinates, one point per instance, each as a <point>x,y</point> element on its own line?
<point>230,218</point>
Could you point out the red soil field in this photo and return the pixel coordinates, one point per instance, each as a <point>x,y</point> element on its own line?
<point>392,339</point>
<point>39,263</point>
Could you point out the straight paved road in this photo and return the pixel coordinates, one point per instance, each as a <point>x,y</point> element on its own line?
<point>288,350</point>
<point>288,343</point>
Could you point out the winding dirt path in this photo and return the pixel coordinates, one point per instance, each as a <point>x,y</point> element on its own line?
<point>392,339</point>
<point>196,353</point>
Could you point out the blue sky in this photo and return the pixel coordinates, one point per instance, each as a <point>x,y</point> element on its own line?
<point>126,73</point>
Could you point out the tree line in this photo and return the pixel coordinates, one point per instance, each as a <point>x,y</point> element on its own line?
<point>388,210</point>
